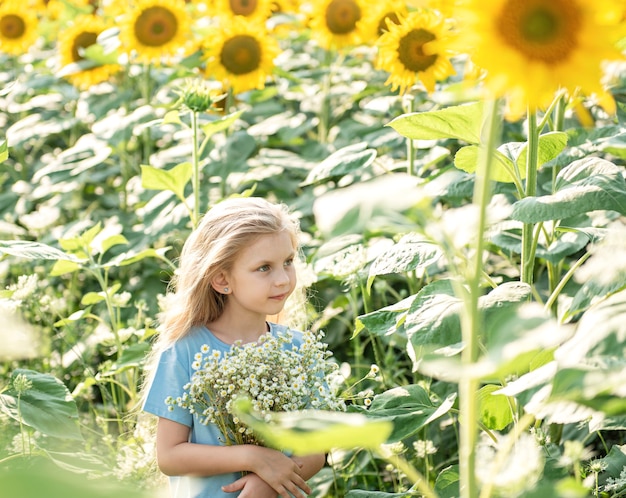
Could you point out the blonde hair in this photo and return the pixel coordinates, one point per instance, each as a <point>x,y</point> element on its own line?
<point>212,247</point>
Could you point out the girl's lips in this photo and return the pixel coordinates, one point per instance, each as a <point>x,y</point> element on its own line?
<point>279,297</point>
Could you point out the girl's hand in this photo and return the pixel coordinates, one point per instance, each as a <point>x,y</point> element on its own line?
<point>251,486</point>
<point>279,471</point>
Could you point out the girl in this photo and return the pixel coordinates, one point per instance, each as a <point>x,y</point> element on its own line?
<point>235,269</point>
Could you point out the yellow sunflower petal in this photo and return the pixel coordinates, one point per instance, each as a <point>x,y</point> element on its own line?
<point>83,33</point>
<point>415,50</point>
<point>154,30</point>
<point>335,23</point>
<point>18,28</point>
<point>253,10</point>
<point>375,18</point>
<point>241,54</point>
<point>543,46</point>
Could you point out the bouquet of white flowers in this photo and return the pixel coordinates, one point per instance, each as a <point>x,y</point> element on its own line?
<point>273,373</point>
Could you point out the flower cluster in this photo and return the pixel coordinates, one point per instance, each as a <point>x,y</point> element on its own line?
<point>274,373</point>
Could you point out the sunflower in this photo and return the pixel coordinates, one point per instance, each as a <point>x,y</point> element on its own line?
<point>531,49</point>
<point>375,18</point>
<point>241,54</point>
<point>335,23</point>
<point>416,49</point>
<point>18,28</point>
<point>83,33</point>
<point>254,10</point>
<point>156,29</point>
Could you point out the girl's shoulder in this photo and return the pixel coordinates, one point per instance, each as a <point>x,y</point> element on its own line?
<point>198,338</point>
<point>278,329</point>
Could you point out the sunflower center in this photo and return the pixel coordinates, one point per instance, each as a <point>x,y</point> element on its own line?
<point>411,50</point>
<point>156,26</point>
<point>82,41</point>
<point>342,16</point>
<point>12,26</point>
<point>542,31</point>
<point>241,54</point>
<point>243,7</point>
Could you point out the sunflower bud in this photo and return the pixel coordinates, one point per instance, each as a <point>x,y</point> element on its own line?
<point>198,95</point>
<point>21,383</point>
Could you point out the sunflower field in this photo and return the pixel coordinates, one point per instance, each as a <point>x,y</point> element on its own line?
<point>458,169</point>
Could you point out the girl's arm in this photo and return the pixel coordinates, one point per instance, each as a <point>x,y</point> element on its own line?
<point>309,465</point>
<point>177,456</point>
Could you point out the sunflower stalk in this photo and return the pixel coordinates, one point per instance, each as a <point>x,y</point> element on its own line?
<point>409,107</point>
<point>195,170</point>
<point>471,319</point>
<point>528,239</point>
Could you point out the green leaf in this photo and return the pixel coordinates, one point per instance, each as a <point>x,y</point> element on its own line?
<point>314,431</point>
<point>434,316</point>
<point>112,241</point>
<point>61,267</point>
<point>132,356</point>
<point>95,297</point>
<point>463,122</point>
<point>175,180</point>
<point>172,117</point>
<point>43,478</point>
<point>221,124</point>
<point>586,185</point>
<point>342,162</point>
<point>408,408</point>
<point>100,55</point>
<point>550,146</point>
<point>503,170</point>
<point>510,158</point>
<point>409,253</point>
<point>601,389</point>
<point>130,257</point>
<point>447,483</point>
<point>74,317</point>
<point>33,250</point>
<point>4,151</point>
<point>47,406</point>
<point>384,321</point>
<point>359,493</point>
<point>496,410</point>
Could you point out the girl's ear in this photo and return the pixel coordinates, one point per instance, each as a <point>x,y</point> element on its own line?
<point>220,282</point>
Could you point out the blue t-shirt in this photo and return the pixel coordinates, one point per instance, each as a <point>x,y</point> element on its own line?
<point>173,372</point>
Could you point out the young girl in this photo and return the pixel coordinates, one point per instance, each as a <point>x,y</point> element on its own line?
<point>236,269</point>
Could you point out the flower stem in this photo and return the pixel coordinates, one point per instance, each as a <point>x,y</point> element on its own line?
<point>528,247</point>
<point>471,323</point>
<point>195,169</point>
<point>409,106</point>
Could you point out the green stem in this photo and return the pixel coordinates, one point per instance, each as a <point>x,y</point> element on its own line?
<point>557,290</point>
<point>419,482</point>
<point>195,169</point>
<point>471,320</point>
<point>409,107</point>
<point>528,253</point>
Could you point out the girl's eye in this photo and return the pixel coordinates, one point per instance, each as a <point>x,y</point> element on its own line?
<point>289,262</point>
<point>264,268</point>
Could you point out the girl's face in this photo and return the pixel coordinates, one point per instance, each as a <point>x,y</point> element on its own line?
<point>263,276</point>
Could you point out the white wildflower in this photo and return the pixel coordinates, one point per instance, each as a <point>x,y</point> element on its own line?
<point>511,468</point>
<point>275,375</point>
<point>423,448</point>
<point>24,288</point>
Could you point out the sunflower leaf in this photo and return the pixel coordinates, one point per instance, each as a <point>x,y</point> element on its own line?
<point>586,185</point>
<point>173,180</point>
<point>463,122</point>
<point>314,431</point>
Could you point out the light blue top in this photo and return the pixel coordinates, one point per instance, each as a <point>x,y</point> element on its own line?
<point>173,372</point>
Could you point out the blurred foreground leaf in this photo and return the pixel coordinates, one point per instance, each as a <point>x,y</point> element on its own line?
<point>314,431</point>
